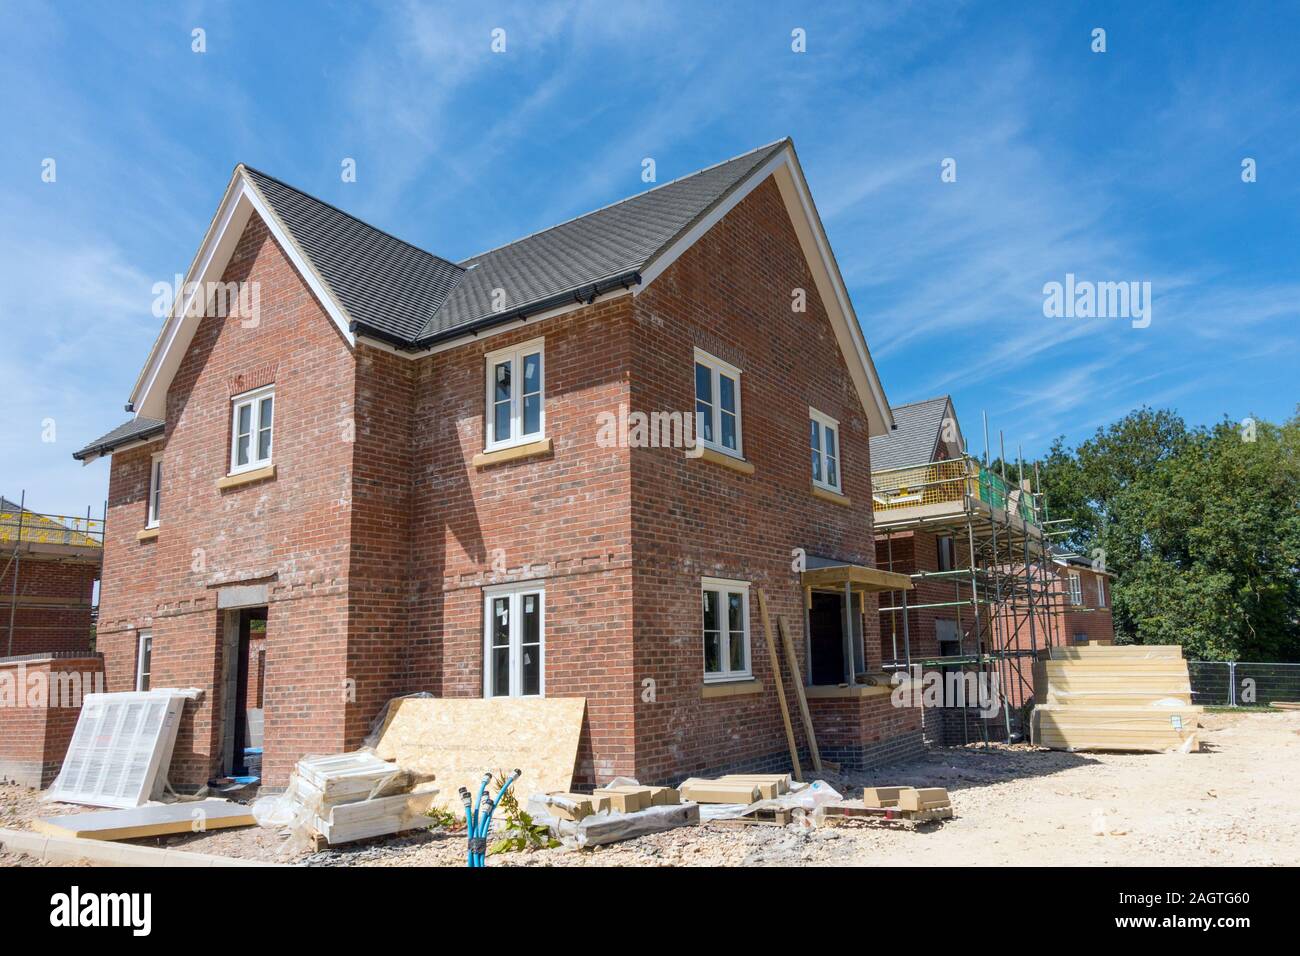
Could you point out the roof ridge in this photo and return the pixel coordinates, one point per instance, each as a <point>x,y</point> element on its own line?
<point>619,202</point>
<point>354,218</point>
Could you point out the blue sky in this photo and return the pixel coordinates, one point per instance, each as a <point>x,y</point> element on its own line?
<point>1115,166</point>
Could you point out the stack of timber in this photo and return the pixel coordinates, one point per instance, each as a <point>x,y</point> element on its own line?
<point>1121,697</point>
<point>736,788</point>
<point>616,799</point>
<point>915,804</point>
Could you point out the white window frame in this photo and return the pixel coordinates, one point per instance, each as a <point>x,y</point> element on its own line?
<point>142,637</point>
<point>717,367</point>
<point>155,491</point>
<point>1101,591</point>
<point>254,399</point>
<point>1075,583</point>
<point>514,592</point>
<point>828,423</point>
<point>726,586</point>
<point>515,355</point>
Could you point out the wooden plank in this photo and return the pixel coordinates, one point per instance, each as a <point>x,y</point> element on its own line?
<point>923,798</point>
<point>802,698</point>
<point>194,816</point>
<point>780,683</point>
<point>711,791</point>
<point>457,740</point>
<point>882,796</point>
<point>627,799</point>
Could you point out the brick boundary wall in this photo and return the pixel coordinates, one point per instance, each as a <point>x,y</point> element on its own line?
<point>34,739</point>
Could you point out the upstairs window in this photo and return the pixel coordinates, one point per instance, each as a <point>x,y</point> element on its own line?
<point>250,430</point>
<point>825,450</point>
<point>947,554</point>
<point>726,630</point>
<point>1101,591</point>
<point>717,404</point>
<point>516,395</point>
<point>155,491</point>
<point>1076,588</point>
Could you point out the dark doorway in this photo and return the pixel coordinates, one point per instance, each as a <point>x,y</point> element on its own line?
<point>237,734</point>
<point>826,633</point>
<point>239,764</point>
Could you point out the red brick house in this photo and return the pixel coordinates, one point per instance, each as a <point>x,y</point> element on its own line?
<point>1086,607</point>
<point>986,596</point>
<point>48,568</point>
<point>463,478</point>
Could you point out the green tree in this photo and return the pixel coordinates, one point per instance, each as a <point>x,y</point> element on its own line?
<point>1200,526</point>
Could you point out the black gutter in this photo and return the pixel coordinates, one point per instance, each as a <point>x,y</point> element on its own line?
<point>584,295</point>
<point>105,447</point>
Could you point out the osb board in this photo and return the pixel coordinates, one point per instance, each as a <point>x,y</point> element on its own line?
<point>184,817</point>
<point>458,739</point>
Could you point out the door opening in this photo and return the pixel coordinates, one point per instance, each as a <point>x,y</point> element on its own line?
<point>241,726</point>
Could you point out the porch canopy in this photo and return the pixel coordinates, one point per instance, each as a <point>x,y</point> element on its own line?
<point>828,574</point>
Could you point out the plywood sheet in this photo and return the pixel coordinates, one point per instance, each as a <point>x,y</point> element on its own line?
<point>458,739</point>
<point>185,817</point>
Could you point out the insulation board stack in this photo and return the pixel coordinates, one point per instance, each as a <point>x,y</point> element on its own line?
<point>1122,697</point>
<point>355,796</point>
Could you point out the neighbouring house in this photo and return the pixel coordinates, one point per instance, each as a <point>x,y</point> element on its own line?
<point>478,479</point>
<point>986,599</point>
<point>48,568</point>
<point>1086,608</point>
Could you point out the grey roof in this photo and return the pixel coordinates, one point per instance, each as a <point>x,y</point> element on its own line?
<point>411,297</point>
<point>606,244</point>
<point>383,282</point>
<point>914,438</point>
<point>134,430</point>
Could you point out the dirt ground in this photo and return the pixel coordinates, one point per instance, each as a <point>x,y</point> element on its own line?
<point>1237,802</point>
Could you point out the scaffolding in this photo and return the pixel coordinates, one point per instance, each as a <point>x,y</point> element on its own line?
<point>1005,594</point>
<point>33,536</point>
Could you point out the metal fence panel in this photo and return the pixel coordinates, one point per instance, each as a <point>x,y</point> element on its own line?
<point>1243,684</point>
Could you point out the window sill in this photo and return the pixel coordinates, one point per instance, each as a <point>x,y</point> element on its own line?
<point>486,459</point>
<point>147,534</point>
<point>246,477</point>
<point>834,497</point>
<point>734,688</point>
<point>704,453</point>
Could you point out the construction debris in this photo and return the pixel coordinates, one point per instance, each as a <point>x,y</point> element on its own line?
<point>1125,697</point>
<point>593,819</point>
<point>193,816</point>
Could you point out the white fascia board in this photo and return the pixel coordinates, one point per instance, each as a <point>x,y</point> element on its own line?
<point>784,167</point>
<point>833,292</point>
<point>241,201</point>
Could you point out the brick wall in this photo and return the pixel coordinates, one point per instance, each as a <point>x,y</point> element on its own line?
<point>40,700</point>
<point>730,295</point>
<point>290,533</point>
<point>53,607</point>
<point>1090,619</point>
<point>562,518</point>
